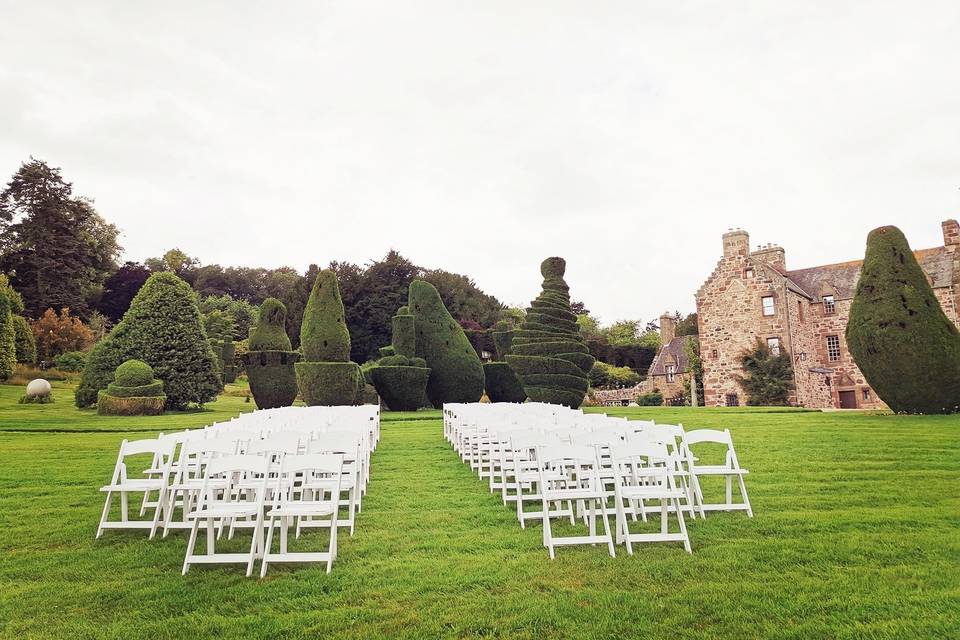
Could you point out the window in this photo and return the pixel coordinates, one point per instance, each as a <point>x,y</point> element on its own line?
<point>671,372</point>
<point>733,400</point>
<point>866,395</point>
<point>748,273</point>
<point>829,306</point>
<point>774,345</point>
<point>714,354</point>
<point>800,310</point>
<point>833,348</point>
<point>768,308</point>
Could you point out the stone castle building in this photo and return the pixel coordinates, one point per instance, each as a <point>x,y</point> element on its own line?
<point>752,295</point>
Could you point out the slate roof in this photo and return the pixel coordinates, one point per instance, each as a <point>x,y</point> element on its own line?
<point>673,348</point>
<point>843,276</point>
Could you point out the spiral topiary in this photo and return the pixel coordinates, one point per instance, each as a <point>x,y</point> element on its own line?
<point>133,392</point>
<point>326,376</point>
<point>548,353</point>
<point>269,362</point>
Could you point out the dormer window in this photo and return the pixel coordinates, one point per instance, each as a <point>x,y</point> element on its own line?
<point>829,306</point>
<point>768,306</point>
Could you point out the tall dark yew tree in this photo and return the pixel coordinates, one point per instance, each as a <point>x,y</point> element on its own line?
<point>899,336</point>
<point>56,248</point>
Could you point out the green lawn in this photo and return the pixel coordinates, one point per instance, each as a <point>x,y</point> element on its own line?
<point>856,535</point>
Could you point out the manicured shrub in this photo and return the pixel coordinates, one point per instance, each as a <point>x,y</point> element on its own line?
<point>323,335</point>
<point>273,381</point>
<point>134,391</point>
<point>502,384</point>
<point>163,328</point>
<point>133,373</point>
<point>386,351</point>
<point>653,399</point>
<point>548,353</point>
<point>26,344</point>
<point>326,376</point>
<point>400,387</point>
<point>456,373</point>
<point>503,333</point>
<point>269,359</point>
<point>268,333</point>
<point>404,341</point>
<point>8,335</point>
<point>899,336</point>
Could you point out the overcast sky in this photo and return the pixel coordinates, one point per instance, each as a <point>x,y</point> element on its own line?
<point>482,137</point>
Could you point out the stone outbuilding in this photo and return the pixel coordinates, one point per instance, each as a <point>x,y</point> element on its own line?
<point>669,372</point>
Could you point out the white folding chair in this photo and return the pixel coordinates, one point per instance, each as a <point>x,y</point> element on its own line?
<point>646,471</point>
<point>728,470</point>
<point>161,452</point>
<point>348,446</point>
<point>219,504</point>
<point>301,495</point>
<point>188,480</point>
<point>580,468</point>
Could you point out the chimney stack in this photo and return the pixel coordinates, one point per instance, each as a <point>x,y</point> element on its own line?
<point>951,233</point>
<point>736,242</point>
<point>668,328</point>
<point>773,255</point>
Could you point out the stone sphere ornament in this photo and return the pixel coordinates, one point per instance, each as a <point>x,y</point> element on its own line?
<point>38,388</point>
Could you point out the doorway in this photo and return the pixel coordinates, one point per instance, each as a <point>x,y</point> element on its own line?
<point>848,399</point>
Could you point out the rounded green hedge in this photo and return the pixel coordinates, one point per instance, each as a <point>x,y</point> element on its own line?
<point>548,353</point>
<point>133,373</point>
<point>328,383</point>
<point>108,405</point>
<point>402,388</point>
<point>456,373</point>
<point>502,384</point>
<point>151,389</point>
<point>899,336</point>
<point>273,380</point>
<point>270,334</point>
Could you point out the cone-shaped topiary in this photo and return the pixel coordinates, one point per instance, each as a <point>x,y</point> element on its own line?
<point>269,362</point>
<point>502,383</point>
<point>8,339</point>
<point>163,328</point>
<point>326,376</point>
<point>548,353</point>
<point>133,392</point>
<point>899,336</point>
<point>456,373</point>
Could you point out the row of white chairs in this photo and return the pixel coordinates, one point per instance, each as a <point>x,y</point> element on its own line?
<point>580,466</point>
<point>301,467</point>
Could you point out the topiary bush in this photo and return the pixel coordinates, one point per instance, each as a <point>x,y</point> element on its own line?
<point>133,373</point>
<point>134,392</point>
<point>897,333</point>
<point>456,373</point>
<point>269,360</point>
<point>326,376</point>
<point>502,383</point>
<point>548,353</point>
<point>404,340</point>
<point>400,378</point>
<point>163,328</point>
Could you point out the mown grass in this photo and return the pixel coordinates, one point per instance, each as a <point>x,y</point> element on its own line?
<point>855,536</point>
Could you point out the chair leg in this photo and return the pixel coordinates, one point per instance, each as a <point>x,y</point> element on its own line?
<point>190,545</point>
<point>746,500</point>
<point>106,512</point>
<point>606,528</point>
<point>683,526</point>
<point>266,547</point>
